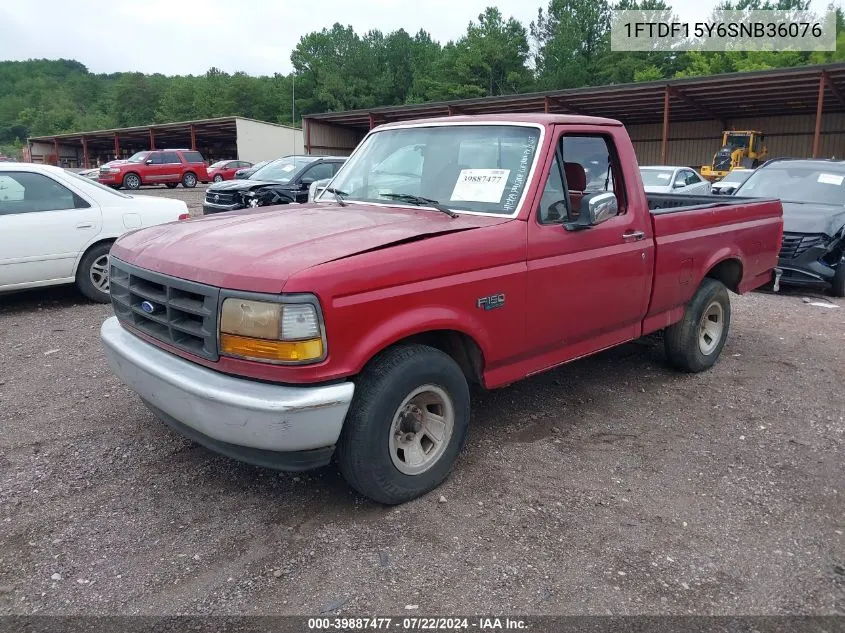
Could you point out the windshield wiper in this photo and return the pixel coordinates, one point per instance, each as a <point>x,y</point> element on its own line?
<point>420,202</point>
<point>337,195</point>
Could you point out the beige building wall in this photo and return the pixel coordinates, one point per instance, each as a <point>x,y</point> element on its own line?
<point>259,141</point>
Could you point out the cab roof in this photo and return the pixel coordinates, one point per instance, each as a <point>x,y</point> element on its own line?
<point>538,119</point>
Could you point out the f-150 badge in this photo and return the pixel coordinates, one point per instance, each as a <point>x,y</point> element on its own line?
<point>490,303</point>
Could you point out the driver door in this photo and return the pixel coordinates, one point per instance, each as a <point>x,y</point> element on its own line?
<point>588,289</point>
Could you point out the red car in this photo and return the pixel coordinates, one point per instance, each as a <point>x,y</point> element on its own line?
<point>225,169</point>
<point>156,167</point>
<point>447,252</point>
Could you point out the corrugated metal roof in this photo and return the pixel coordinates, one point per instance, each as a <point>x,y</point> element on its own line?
<point>726,96</point>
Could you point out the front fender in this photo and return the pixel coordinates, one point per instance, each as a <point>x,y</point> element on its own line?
<point>418,321</point>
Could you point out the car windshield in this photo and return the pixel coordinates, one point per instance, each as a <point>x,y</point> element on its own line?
<point>93,183</point>
<point>737,176</point>
<point>219,163</point>
<point>821,184</point>
<point>282,169</point>
<point>475,168</point>
<point>658,177</point>
<point>138,157</point>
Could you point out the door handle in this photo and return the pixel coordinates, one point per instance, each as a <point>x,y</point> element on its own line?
<point>633,235</point>
<point>84,225</point>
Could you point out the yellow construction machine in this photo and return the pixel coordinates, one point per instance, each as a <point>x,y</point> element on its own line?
<point>740,149</point>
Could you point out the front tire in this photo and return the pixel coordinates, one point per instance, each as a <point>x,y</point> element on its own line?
<point>132,181</point>
<point>837,285</point>
<point>694,343</point>
<point>406,425</point>
<point>92,276</point>
<point>189,180</point>
<point>218,178</point>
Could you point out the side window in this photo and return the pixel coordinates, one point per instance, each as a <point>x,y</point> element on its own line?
<point>318,172</point>
<point>692,178</point>
<point>336,167</point>
<point>157,158</point>
<point>170,158</point>
<point>553,207</point>
<point>590,165</point>
<point>192,157</point>
<point>25,192</point>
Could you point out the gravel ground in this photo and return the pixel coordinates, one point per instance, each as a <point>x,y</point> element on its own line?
<point>192,197</point>
<point>611,486</point>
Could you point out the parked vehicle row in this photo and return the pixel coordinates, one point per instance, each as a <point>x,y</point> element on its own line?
<point>444,252</point>
<point>226,169</point>
<point>156,167</point>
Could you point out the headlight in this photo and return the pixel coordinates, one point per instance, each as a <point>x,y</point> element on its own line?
<point>271,332</point>
<point>114,170</point>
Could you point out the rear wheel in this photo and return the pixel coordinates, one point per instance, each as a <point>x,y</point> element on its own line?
<point>92,276</point>
<point>132,181</point>
<point>696,341</point>
<point>406,425</point>
<point>189,180</point>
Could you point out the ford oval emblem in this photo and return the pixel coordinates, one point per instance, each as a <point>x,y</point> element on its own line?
<point>148,307</point>
<point>217,197</point>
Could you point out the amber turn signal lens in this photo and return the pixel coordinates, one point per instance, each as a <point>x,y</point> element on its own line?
<point>263,349</point>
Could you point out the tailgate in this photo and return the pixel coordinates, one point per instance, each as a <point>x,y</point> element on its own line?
<point>690,241</point>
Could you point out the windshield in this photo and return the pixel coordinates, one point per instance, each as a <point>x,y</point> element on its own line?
<point>476,168</point>
<point>821,184</point>
<point>736,176</point>
<point>738,140</point>
<point>93,183</point>
<point>138,157</point>
<point>281,169</point>
<point>219,163</point>
<point>657,177</point>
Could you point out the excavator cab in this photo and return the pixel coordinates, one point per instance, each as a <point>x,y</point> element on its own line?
<point>740,149</point>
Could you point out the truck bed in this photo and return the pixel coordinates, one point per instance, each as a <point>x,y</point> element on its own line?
<point>733,239</point>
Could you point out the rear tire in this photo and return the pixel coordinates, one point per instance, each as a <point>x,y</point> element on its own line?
<point>694,343</point>
<point>92,276</point>
<point>837,285</point>
<point>132,181</point>
<point>189,180</point>
<point>407,396</point>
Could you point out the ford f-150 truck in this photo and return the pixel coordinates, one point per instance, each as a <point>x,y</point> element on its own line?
<point>444,252</point>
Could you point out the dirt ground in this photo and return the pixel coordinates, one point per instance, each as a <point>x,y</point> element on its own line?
<point>611,486</point>
<point>192,197</point>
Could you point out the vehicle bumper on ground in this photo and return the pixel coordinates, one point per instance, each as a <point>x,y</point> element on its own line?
<point>209,209</point>
<point>807,269</point>
<point>276,426</point>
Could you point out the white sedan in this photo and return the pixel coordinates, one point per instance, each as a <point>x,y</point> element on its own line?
<point>673,180</point>
<point>57,227</point>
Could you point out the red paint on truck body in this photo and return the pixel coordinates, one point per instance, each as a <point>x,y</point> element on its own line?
<point>385,273</point>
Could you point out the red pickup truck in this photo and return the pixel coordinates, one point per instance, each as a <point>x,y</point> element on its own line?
<point>156,167</point>
<point>444,252</point>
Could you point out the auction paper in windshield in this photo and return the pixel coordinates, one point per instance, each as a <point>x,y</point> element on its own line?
<point>480,185</point>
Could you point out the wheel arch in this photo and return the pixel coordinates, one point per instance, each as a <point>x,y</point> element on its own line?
<point>728,270</point>
<point>85,251</point>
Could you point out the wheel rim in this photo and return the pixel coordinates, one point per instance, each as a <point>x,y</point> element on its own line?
<point>711,328</point>
<point>421,429</point>
<point>99,273</point>
<point>218,178</point>
<point>132,182</point>
<point>190,180</point>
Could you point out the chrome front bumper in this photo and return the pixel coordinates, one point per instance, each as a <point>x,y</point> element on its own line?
<point>230,412</point>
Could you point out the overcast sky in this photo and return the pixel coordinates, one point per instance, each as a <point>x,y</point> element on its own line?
<point>255,36</point>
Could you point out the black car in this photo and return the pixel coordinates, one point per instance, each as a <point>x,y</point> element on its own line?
<point>813,196</point>
<point>281,181</point>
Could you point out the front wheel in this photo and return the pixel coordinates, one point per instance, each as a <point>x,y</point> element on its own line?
<point>694,343</point>
<point>837,285</point>
<point>132,181</point>
<point>189,180</point>
<point>406,425</point>
<point>218,178</point>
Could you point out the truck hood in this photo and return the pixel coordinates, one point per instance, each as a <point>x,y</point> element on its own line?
<point>260,249</point>
<point>812,217</point>
<point>244,185</point>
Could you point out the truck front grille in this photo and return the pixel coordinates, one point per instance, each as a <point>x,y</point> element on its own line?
<point>175,311</point>
<point>796,244</point>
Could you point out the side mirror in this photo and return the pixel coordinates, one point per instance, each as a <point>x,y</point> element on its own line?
<point>728,191</point>
<point>678,185</point>
<point>596,208</point>
<point>149,161</point>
